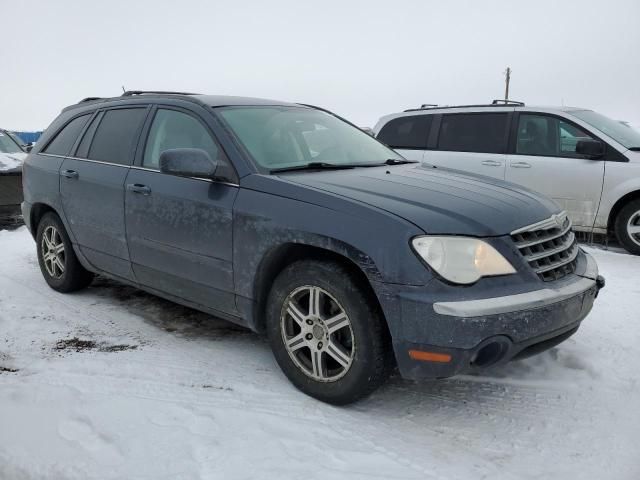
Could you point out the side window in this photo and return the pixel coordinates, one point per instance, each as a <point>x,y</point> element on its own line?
<point>64,140</point>
<point>116,136</point>
<point>570,135</point>
<point>172,129</point>
<point>473,132</point>
<point>406,132</point>
<point>548,136</point>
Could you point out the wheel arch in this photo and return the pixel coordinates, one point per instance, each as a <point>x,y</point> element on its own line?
<point>278,258</point>
<point>38,210</point>
<point>619,205</point>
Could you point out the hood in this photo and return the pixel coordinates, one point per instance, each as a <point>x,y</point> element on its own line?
<point>437,200</point>
<point>11,162</point>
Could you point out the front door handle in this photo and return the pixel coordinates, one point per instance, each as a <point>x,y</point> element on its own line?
<point>69,173</point>
<point>520,165</point>
<point>492,163</point>
<point>138,188</point>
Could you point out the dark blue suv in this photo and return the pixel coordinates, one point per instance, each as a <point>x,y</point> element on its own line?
<point>289,220</point>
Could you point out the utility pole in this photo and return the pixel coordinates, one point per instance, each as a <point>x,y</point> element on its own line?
<point>507,79</point>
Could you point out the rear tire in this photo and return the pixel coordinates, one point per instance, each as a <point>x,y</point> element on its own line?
<point>327,335</point>
<point>627,227</point>
<point>59,265</point>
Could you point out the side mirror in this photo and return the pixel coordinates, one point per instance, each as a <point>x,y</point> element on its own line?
<point>591,149</point>
<point>188,162</point>
<point>28,147</point>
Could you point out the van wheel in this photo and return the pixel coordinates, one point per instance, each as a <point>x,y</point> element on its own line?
<point>326,335</point>
<point>627,227</point>
<point>58,262</point>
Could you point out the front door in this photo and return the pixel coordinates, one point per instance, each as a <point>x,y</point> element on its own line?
<point>179,229</point>
<point>545,160</point>
<point>92,188</point>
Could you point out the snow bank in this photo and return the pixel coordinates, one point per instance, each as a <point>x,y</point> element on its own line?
<point>113,383</point>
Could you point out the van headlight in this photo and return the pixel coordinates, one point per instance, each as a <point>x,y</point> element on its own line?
<point>461,260</point>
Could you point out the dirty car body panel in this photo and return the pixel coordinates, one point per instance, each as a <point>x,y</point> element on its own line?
<point>216,244</point>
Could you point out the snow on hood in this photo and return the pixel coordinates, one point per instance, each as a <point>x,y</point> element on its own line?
<point>11,161</point>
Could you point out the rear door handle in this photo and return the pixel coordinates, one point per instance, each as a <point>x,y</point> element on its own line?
<point>138,188</point>
<point>492,163</point>
<point>520,165</point>
<point>69,173</point>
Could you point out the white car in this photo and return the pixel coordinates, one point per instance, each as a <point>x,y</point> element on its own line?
<point>587,162</point>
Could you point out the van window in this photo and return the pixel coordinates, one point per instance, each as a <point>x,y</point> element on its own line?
<point>407,132</point>
<point>64,140</point>
<point>548,136</point>
<point>473,132</point>
<point>116,136</point>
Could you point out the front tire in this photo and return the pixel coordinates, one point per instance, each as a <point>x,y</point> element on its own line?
<point>627,227</point>
<point>59,265</point>
<point>326,333</point>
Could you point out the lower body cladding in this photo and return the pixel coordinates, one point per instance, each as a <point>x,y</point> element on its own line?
<point>442,339</point>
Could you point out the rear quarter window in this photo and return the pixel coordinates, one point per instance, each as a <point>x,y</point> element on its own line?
<point>65,138</point>
<point>407,132</point>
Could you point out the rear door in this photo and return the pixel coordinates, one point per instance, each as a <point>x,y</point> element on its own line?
<point>180,229</point>
<point>92,187</point>
<point>472,141</point>
<point>544,159</point>
<point>407,135</point>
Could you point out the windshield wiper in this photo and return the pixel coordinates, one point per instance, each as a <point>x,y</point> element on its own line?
<point>398,161</point>
<point>635,149</point>
<point>313,166</point>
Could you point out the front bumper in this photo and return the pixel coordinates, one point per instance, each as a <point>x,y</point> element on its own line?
<point>442,339</point>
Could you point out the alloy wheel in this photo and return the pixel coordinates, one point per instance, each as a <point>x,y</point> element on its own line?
<point>317,333</point>
<point>633,227</point>
<point>53,254</point>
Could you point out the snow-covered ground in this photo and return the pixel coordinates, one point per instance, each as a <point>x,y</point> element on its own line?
<point>112,383</point>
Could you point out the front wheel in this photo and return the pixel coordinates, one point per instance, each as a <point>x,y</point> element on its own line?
<point>58,262</point>
<point>627,227</point>
<point>326,334</point>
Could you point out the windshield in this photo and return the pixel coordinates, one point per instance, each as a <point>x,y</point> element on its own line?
<point>8,145</point>
<point>286,137</point>
<point>620,132</point>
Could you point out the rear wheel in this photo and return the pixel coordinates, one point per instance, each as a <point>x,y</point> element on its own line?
<point>627,227</point>
<point>58,262</point>
<point>325,333</point>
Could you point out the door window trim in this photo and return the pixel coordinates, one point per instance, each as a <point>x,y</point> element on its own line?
<point>610,155</point>
<point>144,138</point>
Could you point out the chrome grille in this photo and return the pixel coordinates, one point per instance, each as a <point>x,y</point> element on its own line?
<point>550,247</point>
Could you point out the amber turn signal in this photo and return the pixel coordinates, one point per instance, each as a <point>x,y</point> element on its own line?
<point>429,356</point>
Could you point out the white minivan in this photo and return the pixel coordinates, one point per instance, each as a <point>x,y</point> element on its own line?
<point>587,162</point>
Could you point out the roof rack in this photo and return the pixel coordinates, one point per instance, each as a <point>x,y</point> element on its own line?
<point>507,102</point>
<point>130,93</point>
<point>90,99</point>
<point>494,103</point>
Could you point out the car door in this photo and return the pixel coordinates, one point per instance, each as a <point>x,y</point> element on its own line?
<point>544,159</point>
<point>92,187</point>
<point>407,135</point>
<point>472,141</point>
<point>179,230</point>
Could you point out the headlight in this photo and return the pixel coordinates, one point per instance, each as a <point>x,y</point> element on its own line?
<point>461,260</point>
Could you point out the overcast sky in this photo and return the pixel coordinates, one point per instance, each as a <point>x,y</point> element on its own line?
<point>361,59</point>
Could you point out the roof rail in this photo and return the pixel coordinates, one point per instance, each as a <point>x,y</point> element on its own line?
<point>507,102</point>
<point>427,105</point>
<point>130,93</point>
<point>90,99</point>
<point>494,103</point>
